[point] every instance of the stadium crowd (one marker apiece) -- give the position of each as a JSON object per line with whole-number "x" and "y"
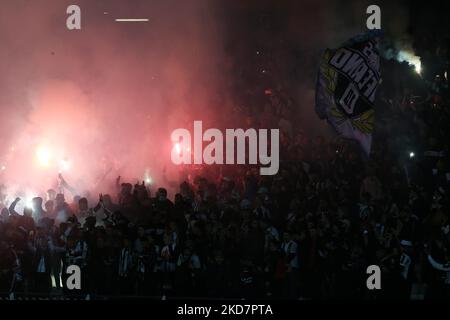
{"x": 308, "y": 232}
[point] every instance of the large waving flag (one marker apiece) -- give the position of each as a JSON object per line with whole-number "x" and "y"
{"x": 346, "y": 86}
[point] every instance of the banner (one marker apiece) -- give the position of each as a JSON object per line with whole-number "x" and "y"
{"x": 346, "y": 86}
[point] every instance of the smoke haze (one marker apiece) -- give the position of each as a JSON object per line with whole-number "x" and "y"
{"x": 104, "y": 99}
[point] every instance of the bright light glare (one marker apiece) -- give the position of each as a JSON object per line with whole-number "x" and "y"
{"x": 411, "y": 59}
{"x": 147, "y": 178}
{"x": 43, "y": 155}
{"x": 411, "y": 154}
{"x": 28, "y": 203}
{"x": 28, "y": 200}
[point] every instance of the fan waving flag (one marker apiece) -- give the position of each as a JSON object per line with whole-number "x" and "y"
{"x": 346, "y": 86}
